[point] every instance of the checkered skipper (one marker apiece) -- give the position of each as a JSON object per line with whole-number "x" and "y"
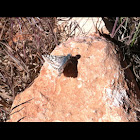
{"x": 57, "y": 62}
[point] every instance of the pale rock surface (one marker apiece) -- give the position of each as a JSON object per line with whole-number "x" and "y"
{"x": 93, "y": 88}
{"x": 83, "y": 25}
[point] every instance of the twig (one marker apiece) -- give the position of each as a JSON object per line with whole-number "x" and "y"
{"x": 2, "y": 30}
{"x": 118, "y": 28}
{"x": 134, "y": 70}
{"x": 17, "y": 111}
{"x": 114, "y": 27}
{"x": 21, "y": 119}
{"x": 54, "y": 35}
{"x": 22, "y": 103}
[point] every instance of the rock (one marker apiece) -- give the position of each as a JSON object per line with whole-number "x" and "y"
{"x": 93, "y": 88}
{"x": 83, "y": 25}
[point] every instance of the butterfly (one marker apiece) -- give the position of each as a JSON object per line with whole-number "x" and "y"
{"x": 57, "y": 62}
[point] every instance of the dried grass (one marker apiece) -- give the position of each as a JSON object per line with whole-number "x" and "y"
{"x": 23, "y": 40}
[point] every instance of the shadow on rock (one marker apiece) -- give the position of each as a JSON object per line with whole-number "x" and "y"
{"x": 71, "y": 69}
